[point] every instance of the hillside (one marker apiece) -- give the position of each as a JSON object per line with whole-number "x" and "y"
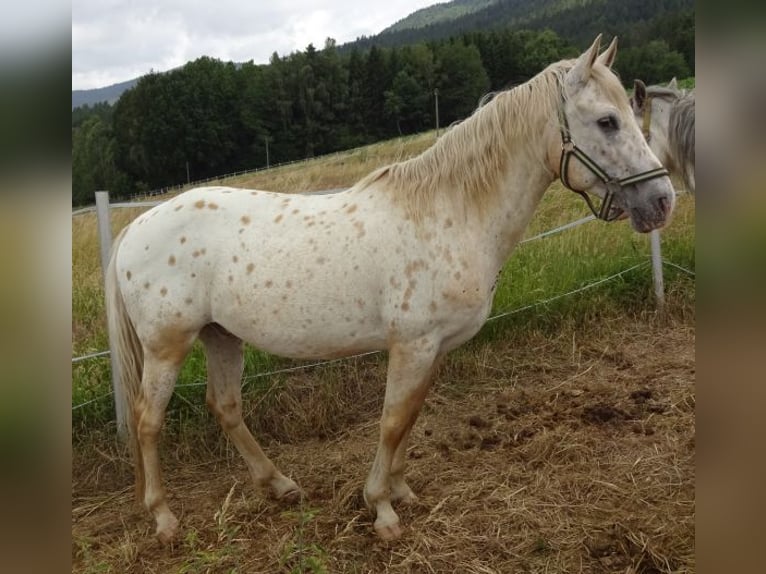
{"x": 576, "y": 21}
{"x": 468, "y": 15}
{"x": 108, "y": 94}
{"x": 442, "y": 12}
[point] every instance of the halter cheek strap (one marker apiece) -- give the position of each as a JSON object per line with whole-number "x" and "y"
{"x": 613, "y": 185}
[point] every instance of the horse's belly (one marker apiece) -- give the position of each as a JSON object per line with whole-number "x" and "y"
{"x": 308, "y": 322}
{"x": 318, "y": 335}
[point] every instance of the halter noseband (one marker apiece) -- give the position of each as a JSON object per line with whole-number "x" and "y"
{"x": 613, "y": 185}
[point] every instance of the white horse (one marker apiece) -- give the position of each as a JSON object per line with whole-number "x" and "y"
{"x": 405, "y": 260}
{"x": 666, "y": 115}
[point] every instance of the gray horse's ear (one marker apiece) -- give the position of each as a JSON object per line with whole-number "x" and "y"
{"x": 639, "y": 96}
{"x": 580, "y": 72}
{"x": 607, "y": 57}
{"x": 673, "y": 84}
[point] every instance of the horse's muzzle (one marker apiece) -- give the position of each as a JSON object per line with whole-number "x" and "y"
{"x": 652, "y": 214}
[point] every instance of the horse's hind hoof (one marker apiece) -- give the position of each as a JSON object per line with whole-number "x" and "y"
{"x": 286, "y": 490}
{"x": 292, "y": 496}
{"x": 167, "y": 530}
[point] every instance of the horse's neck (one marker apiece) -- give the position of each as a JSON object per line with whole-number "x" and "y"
{"x": 494, "y": 228}
{"x": 523, "y": 175}
{"x": 523, "y": 188}
{"x": 488, "y": 173}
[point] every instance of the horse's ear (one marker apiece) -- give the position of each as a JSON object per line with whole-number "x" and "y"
{"x": 673, "y": 84}
{"x": 580, "y": 72}
{"x": 639, "y": 96}
{"x": 607, "y": 57}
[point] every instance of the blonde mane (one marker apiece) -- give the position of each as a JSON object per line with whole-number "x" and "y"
{"x": 468, "y": 161}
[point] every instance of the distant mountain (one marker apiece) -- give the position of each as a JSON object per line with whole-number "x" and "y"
{"x": 108, "y": 94}
{"x": 442, "y": 12}
{"x": 576, "y": 21}
{"x": 458, "y": 16}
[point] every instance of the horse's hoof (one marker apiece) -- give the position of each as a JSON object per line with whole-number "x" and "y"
{"x": 285, "y": 489}
{"x": 388, "y": 531}
{"x": 167, "y": 529}
{"x": 292, "y": 496}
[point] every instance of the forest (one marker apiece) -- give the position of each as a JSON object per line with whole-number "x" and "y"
{"x": 212, "y": 117}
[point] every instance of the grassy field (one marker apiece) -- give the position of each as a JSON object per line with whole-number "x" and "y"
{"x": 600, "y": 370}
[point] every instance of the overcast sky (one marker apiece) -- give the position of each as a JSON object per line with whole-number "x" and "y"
{"x": 117, "y": 40}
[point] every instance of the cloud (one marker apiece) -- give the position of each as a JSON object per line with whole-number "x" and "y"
{"x": 117, "y": 40}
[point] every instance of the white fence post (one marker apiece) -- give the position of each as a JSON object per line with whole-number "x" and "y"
{"x": 105, "y": 242}
{"x": 659, "y": 283}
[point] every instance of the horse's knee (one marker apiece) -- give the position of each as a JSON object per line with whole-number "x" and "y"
{"x": 228, "y": 413}
{"x": 148, "y": 429}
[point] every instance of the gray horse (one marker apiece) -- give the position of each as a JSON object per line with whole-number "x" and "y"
{"x": 666, "y": 116}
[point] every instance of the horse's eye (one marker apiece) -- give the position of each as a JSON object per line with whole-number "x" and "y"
{"x": 608, "y": 123}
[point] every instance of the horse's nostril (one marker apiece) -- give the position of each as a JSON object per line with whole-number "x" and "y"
{"x": 664, "y": 204}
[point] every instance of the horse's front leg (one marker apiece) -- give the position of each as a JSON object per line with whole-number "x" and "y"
{"x": 409, "y": 375}
{"x": 400, "y": 490}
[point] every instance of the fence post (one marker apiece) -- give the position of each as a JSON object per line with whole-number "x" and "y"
{"x": 105, "y": 242}
{"x": 659, "y": 283}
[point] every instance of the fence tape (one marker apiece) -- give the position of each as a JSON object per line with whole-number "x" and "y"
{"x": 684, "y": 269}
{"x": 109, "y": 394}
{"x": 559, "y": 229}
{"x": 578, "y": 290}
{"x": 90, "y": 356}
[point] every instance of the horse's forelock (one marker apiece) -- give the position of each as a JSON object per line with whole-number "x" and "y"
{"x": 610, "y": 83}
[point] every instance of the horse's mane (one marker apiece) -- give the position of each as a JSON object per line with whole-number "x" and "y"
{"x": 681, "y": 135}
{"x": 470, "y": 158}
{"x": 680, "y": 127}
{"x": 468, "y": 161}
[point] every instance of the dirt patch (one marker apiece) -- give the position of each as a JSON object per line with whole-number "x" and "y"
{"x": 584, "y": 465}
{"x": 603, "y": 413}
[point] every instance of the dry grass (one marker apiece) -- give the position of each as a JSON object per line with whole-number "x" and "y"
{"x": 334, "y": 171}
{"x": 572, "y": 453}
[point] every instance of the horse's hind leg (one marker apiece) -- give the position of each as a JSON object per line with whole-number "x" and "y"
{"x": 157, "y": 382}
{"x": 409, "y": 375}
{"x": 225, "y": 361}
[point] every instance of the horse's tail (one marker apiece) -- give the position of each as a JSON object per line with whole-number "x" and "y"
{"x": 129, "y": 358}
